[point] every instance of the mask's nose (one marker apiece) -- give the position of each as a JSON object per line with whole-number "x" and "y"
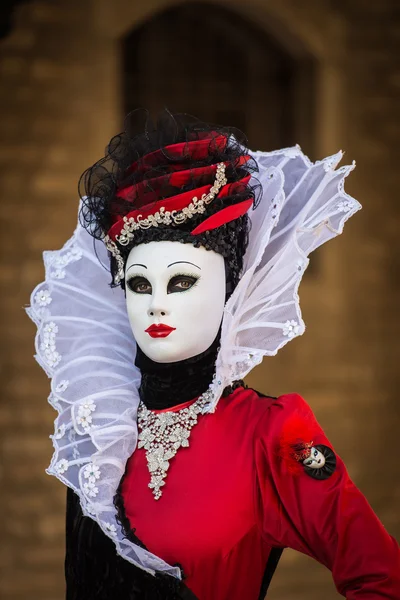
{"x": 157, "y": 307}
{"x": 156, "y": 313}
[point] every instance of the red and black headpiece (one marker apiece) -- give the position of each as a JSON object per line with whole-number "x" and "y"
{"x": 179, "y": 180}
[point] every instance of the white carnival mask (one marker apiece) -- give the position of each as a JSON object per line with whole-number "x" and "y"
{"x": 175, "y": 296}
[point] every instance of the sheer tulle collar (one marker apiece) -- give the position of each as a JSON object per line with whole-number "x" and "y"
{"x": 84, "y": 341}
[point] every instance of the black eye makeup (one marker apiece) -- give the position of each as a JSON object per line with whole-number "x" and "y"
{"x": 139, "y": 284}
{"x": 181, "y": 283}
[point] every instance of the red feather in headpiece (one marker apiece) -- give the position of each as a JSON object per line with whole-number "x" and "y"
{"x": 296, "y": 440}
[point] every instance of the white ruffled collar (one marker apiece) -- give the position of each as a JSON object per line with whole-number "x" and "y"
{"x": 85, "y": 345}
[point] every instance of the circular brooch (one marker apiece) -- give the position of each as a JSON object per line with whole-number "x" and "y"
{"x": 320, "y": 462}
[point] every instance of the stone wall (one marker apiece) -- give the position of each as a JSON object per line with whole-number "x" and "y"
{"x": 60, "y": 102}
{"x": 48, "y": 132}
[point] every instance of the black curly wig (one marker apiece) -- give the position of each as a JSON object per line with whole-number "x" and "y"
{"x": 141, "y": 162}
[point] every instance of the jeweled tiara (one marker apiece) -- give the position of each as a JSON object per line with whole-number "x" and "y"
{"x": 133, "y": 221}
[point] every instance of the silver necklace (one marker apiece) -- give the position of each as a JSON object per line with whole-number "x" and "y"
{"x": 162, "y": 434}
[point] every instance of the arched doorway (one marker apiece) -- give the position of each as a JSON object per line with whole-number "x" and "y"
{"x": 206, "y": 60}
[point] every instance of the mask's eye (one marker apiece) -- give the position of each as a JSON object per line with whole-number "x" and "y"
{"x": 181, "y": 283}
{"x": 139, "y": 285}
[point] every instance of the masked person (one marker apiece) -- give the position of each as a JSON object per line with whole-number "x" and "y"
{"x": 182, "y": 482}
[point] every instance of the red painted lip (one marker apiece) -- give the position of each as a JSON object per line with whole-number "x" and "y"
{"x": 159, "y": 330}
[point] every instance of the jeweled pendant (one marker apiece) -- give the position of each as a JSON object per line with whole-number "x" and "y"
{"x": 162, "y": 434}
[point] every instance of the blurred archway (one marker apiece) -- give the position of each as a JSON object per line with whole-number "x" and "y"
{"x": 222, "y": 69}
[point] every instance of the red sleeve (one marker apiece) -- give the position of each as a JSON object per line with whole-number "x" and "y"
{"x": 327, "y": 518}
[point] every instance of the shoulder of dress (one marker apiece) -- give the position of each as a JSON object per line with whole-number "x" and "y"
{"x": 247, "y": 405}
{"x": 249, "y": 396}
{"x": 285, "y": 402}
{"x": 293, "y": 434}
{"x": 292, "y": 402}
{"x": 284, "y": 411}
{"x": 263, "y": 410}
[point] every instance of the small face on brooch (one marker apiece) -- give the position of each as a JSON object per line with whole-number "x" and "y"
{"x": 316, "y": 459}
{"x": 319, "y": 461}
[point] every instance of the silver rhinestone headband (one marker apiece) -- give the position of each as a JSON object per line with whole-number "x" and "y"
{"x": 162, "y": 217}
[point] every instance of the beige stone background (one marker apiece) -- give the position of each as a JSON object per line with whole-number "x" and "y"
{"x": 319, "y": 72}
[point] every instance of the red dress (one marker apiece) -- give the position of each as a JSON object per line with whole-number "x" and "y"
{"x": 230, "y": 498}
